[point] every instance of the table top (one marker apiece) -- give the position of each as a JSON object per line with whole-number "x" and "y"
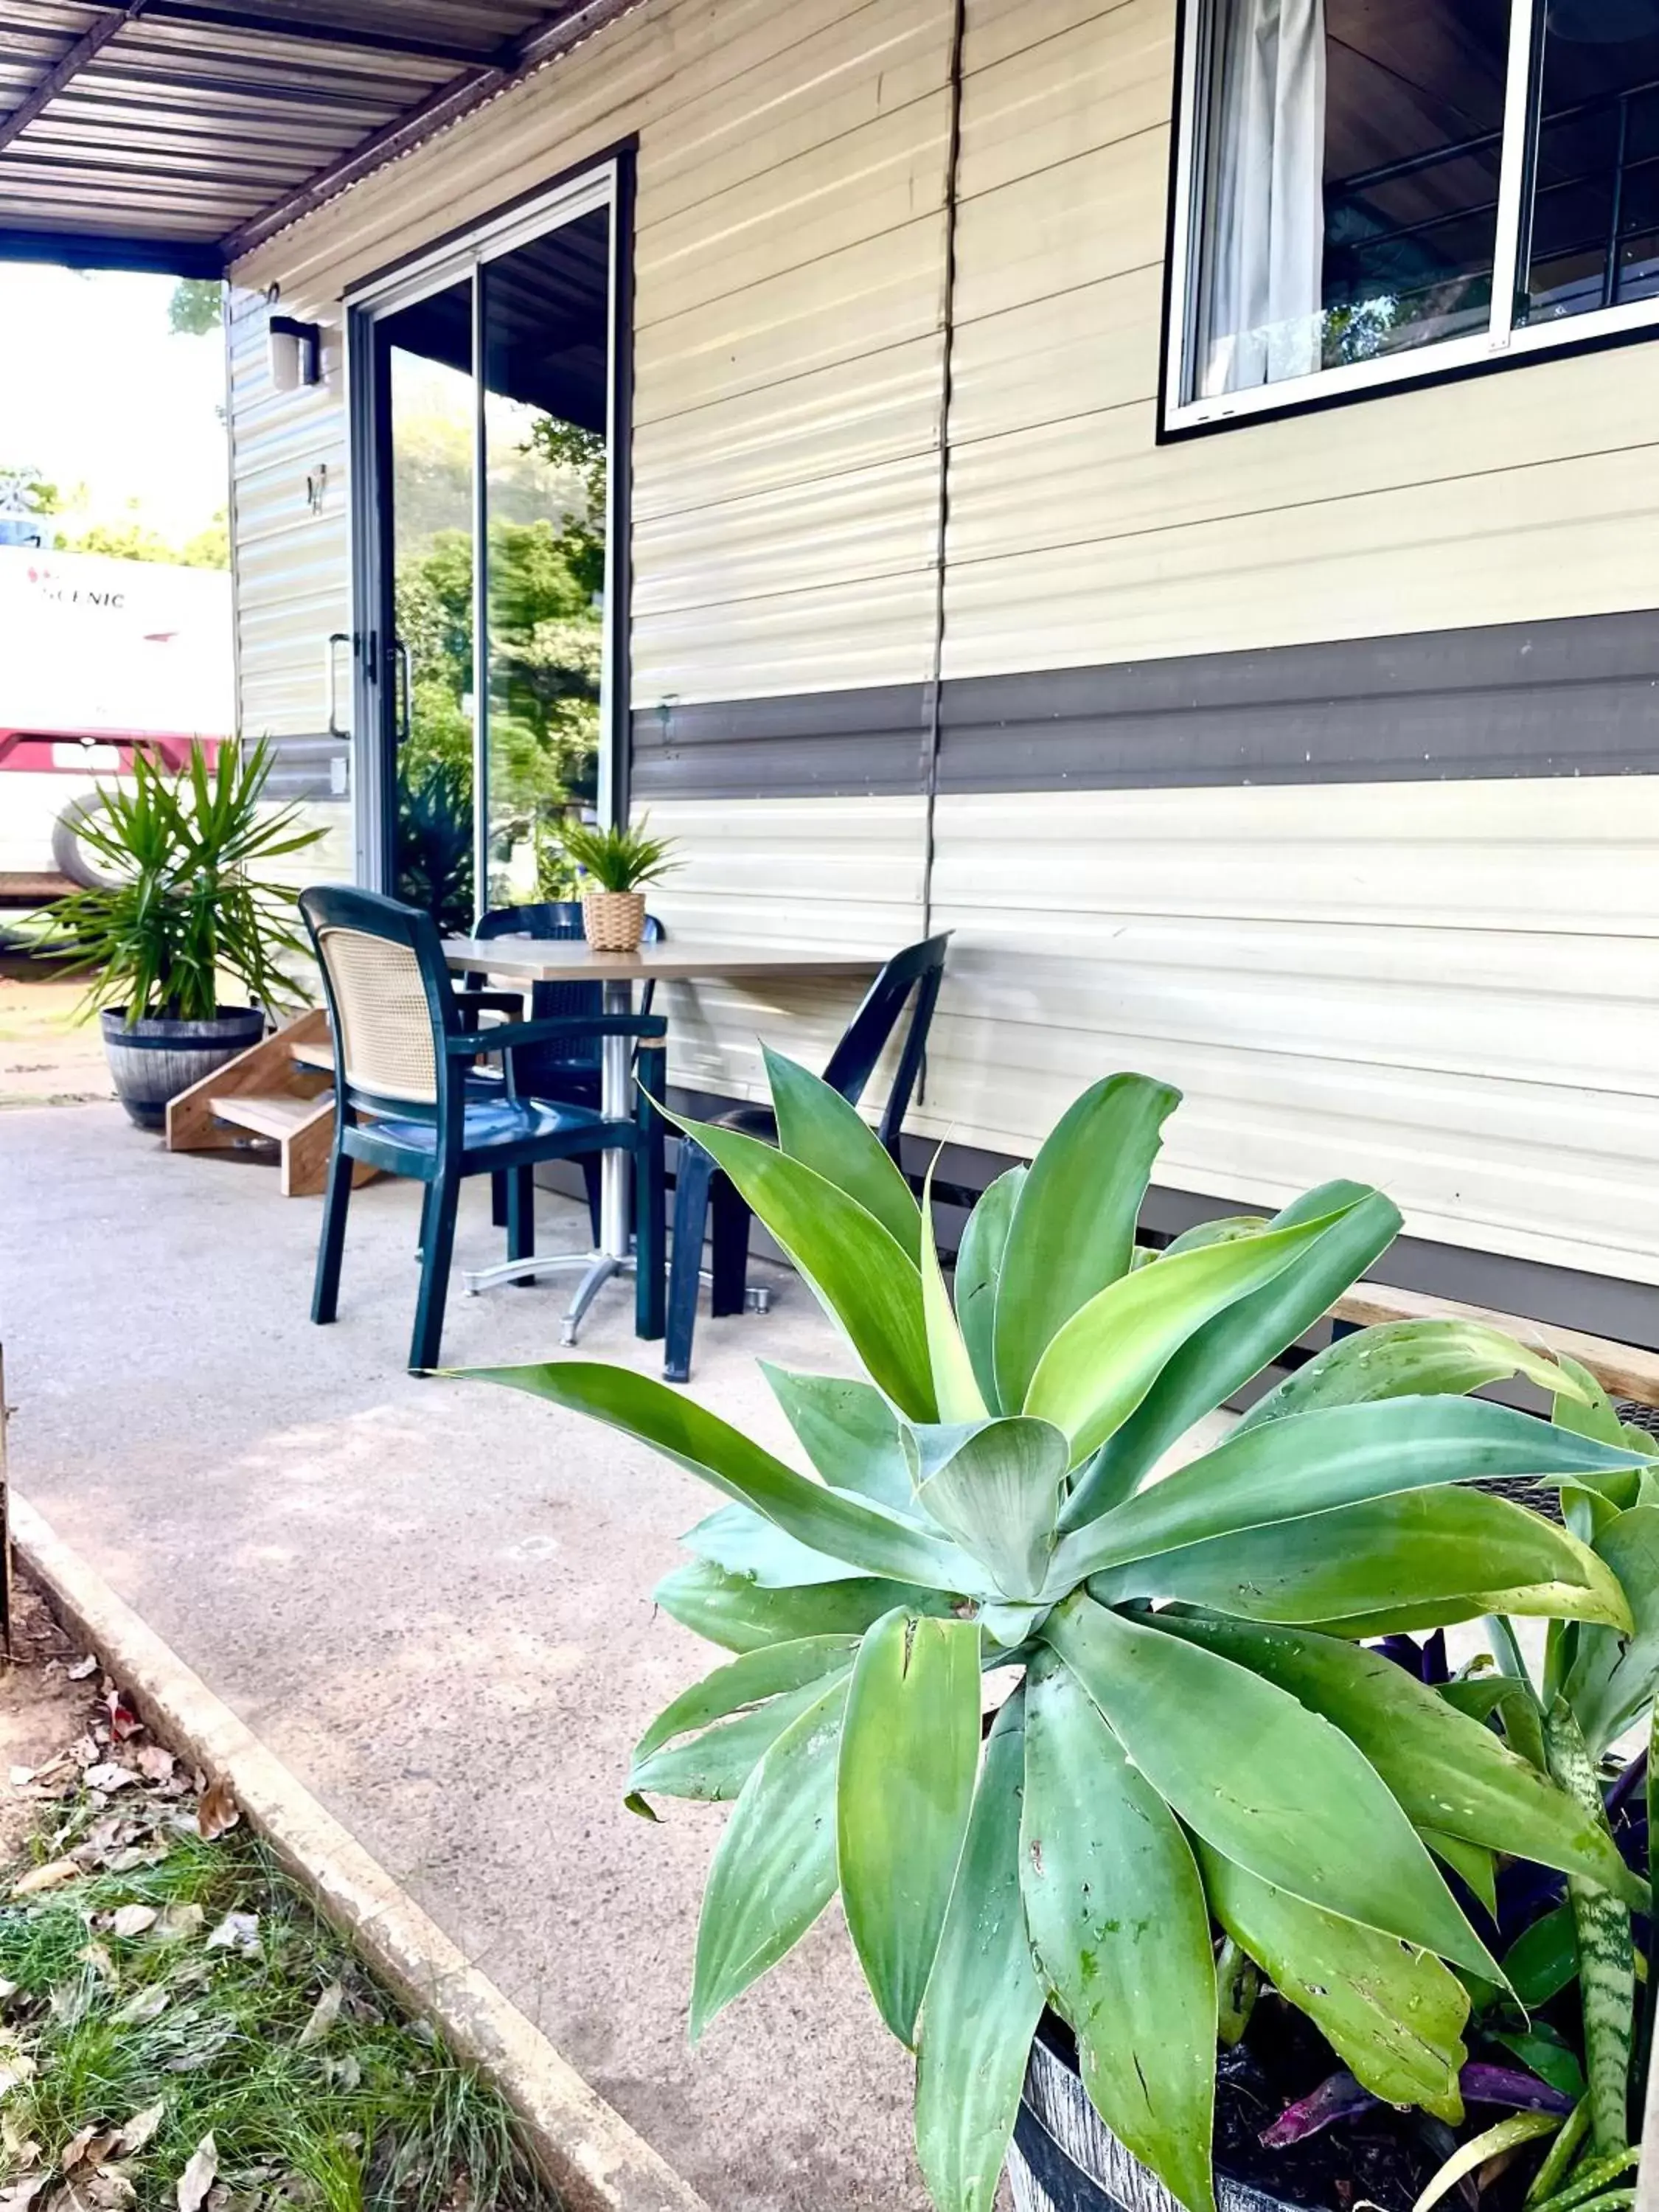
{"x": 572, "y": 960}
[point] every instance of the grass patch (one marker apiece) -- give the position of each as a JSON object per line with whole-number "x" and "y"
{"x": 196, "y": 1976}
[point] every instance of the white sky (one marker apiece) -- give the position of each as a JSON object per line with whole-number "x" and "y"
{"x": 96, "y": 389}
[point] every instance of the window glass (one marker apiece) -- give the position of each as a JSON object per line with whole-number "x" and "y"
{"x": 1595, "y": 238}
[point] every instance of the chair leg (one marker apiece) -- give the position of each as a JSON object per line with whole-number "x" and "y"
{"x": 521, "y": 1217}
{"x": 693, "y": 1178}
{"x": 428, "y": 1191}
{"x": 650, "y": 1224}
{"x": 731, "y": 1249}
{"x": 591, "y": 1177}
{"x": 499, "y": 1201}
{"x": 434, "y": 1277}
{"x": 325, "y": 1297}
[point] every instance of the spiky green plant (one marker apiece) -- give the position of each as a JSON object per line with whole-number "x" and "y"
{"x": 624, "y": 859}
{"x": 1198, "y": 1743}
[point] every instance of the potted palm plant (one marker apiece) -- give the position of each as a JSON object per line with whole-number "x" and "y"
{"x": 1151, "y": 1851}
{"x": 182, "y": 909}
{"x": 619, "y": 863}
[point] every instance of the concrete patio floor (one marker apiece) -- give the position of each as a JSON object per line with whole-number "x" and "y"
{"x": 432, "y": 1600}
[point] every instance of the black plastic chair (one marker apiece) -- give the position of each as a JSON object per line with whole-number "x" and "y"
{"x": 403, "y": 1046}
{"x": 568, "y": 1071}
{"x": 699, "y": 1184}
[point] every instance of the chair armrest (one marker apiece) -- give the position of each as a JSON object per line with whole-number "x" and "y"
{"x": 474, "y": 1003}
{"x": 508, "y": 1036}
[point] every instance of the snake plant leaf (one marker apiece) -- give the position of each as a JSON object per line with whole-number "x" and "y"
{"x": 1473, "y": 1864}
{"x": 713, "y": 1767}
{"x": 1118, "y": 1920}
{"x": 1273, "y": 1786}
{"x": 862, "y": 1276}
{"x": 1418, "y": 1547}
{"x": 1394, "y": 2016}
{"x": 984, "y": 1998}
{"x": 1107, "y": 1357}
{"x": 909, "y": 1751}
{"x": 773, "y": 1869}
{"x": 745, "y": 1542}
{"x": 1411, "y": 1359}
{"x": 827, "y": 1133}
{"x": 1613, "y": 1677}
{"x": 850, "y": 1528}
{"x": 956, "y": 1388}
{"x": 999, "y": 1495}
{"x": 1447, "y": 1770}
{"x": 1074, "y": 1224}
{"x": 740, "y": 1616}
{"x": 978, "y": 1274}
{"x": 1313, "y": 1462}
{"x": 848, "y": 1431}
{"x": 768, "y": 1672}
{"x": 1244, "y": 1337}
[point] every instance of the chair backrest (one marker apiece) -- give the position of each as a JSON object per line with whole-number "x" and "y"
{"x": 389, "y": 999}
{"x": 557, "y": 917}
{"x": 915, "y": 972}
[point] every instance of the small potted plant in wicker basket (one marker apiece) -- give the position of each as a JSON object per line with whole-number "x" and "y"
{"x": 617, "y": 864}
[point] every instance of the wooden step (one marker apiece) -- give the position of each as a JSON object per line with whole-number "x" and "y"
{"x": 281, "y": 1088}
{"x": 314, "y": 1052}
{"x": 277, "y": 1115}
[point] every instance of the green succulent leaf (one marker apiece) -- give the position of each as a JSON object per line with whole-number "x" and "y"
{"x": 955, "y": 1390}
{"x": 819, "y": 1128}
{"x": 1313, "y": 1462}
{"x": 738, "y": 1615}
{"x": 1104, "y": 1361}
{"x": 1418, "y": 1546}
{"x": 1394, "y": 2016}
{"x": 1117, "y": 1916}
{"x": 1473, "y": 1864}
{"x": 1612, "y": 1676}
{"x": 1223, "y": 1228}
{"x": 745, "y": 1542}
{"x": 998, "y": 1493}
{"x": 978, "y": 1274}
{"x": 848, "y": 1431}
{"x": 773, "y": 1869}
{"x": 1447, "y": 1770}
{"x": 909, "y": 1750}
{"x": 849, "y": 1529}
{"x": 1073, "y": 1225}
{"x": 1270, "y": 1785}
{"x": 713, "y": 1767}
{"x": 1543, "y": 1959}
{"x": 984, "y": 1997}
{"x": 1244, "y": 1337}
{"x": 1410, "y": 1360}
{"x": 768, "y": 1672}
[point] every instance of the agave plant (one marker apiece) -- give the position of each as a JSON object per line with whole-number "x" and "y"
{"x": 1197, "y": 1749}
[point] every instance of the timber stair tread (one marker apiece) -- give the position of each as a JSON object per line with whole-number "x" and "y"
{"x": 271, "y": 1114}
{"x": 312, "y": 1052}
{"x": 282, "y": 1088}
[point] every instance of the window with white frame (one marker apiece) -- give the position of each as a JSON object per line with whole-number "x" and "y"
{"x": 1369, "y": 190}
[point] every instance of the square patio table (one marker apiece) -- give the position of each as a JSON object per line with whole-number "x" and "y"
{"x": 571, "y": 960}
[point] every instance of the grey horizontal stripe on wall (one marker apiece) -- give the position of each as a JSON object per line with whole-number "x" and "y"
{"x": 1577, "y": 697}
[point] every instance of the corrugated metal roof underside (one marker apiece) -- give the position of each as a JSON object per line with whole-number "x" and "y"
{"x": 189, "y": 124}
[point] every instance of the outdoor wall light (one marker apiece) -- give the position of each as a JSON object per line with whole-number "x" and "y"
{"x": 296, "y": 352}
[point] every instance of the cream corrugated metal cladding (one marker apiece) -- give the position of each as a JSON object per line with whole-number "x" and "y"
{"x": 1448, "y": 986}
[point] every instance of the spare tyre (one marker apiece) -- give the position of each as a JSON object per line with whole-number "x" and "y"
{"x": 77, "y": 861}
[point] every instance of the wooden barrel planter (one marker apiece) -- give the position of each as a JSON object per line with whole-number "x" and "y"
{"x": 158, "y": 1057}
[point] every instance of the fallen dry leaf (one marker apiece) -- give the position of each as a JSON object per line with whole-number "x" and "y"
{"x": 106, "y": 2189}
{"x": 17, "y": 2067}
{"x": 123, "y": 1721}
{"x": 216, "y": 1813}
{"x": 136, "y": 2132}
{"x": 109, "y": 1778}
{"x": 90, "y": 2147}
{"x": 46, "y": 1877}
{"x": 19, "y": 2194}
{"x": 199, "y": 2174}
{"x": 132, "y": 1919}
{"x": 237, "y": 1931}
{"x": 97, "y": 1958}
{"x": 83, "y": 1669}
{"x": 154, "y": 1762}
{"x": 175, "y": 1921}
{"x": 323, "y": 2013}
{"x": 143, "y": 2006}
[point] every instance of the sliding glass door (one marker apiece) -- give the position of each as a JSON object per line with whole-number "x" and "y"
{"x": 486, "y": 632}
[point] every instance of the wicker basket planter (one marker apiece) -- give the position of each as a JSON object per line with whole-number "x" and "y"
{"x": 614, "y": 921}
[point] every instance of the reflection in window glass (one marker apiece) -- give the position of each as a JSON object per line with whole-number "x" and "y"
{"x": 1595, "y": 206}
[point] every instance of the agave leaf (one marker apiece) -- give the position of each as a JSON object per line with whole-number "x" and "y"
{"x": 1411, "y": 1359}
{"x": 1313, "y": 1462}
{"x": 984, "y": 1997}
{"x": 1416, "y": 1547}
{"x": 1073, "y": 1225}
{"x": 909, "y": 1749}
{"x": 738, "y": 1615}
{"x": 849, "y": 1529}
{"x": 1270, "y": 1785}
{"x": 713, "y": 1767}
{"x": 1102, "y": 1364}
{"x": 1447, "y": 1770}
{"x": 1243, "y": 1337}
{"x": 978, "y": 1273}
{"x": 1473, "y": 1864}
{"x": 773, "y": 1869}
{"x": 956, "y": 1391}
{"x": 827, "y": 1133}
{"x": 848, "y": 1431}
{"x": 999, "y": 1495}
{"x": 1612, "y": 1676}
{"x": 745, "y": 1542}
{"x": 1118, "y": 1920}
{"x": 1223, "y": 1229}
{"x": 765, "y": 1673}
{"x": 1582, "y": 1404}
{"x": 1394, "y": 2016}
{"x": 860, "y": 1275}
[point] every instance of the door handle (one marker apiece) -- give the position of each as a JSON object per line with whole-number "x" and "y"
{"x": 330, "y": 677}
{"x": 406, "y": 703}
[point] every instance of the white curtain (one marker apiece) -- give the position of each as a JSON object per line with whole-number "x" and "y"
{"x": 1264, "y": 232}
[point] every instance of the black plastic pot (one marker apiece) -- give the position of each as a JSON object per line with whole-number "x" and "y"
{"x": 158, "y": 1057}
{"x": 1065, "y": 2159}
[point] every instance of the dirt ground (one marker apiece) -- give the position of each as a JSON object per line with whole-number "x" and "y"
{"x": 46, "y": 1057}
{"x": 43, "y": 1709}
